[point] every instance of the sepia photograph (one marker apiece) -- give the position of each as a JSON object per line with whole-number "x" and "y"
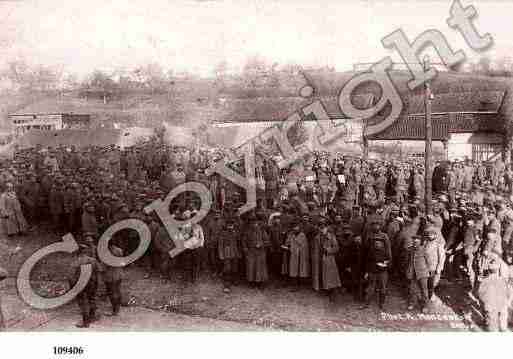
{"x": 255, "y": 166}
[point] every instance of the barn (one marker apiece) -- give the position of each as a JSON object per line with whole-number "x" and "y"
{"x": 471, "y": 115}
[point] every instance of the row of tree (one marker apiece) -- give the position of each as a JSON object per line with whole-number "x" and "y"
{"x": 255, "y": 78}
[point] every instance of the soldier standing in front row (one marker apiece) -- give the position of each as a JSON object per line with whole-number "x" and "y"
{"x": 229, "y": 250}
{"x": 378, "y": 255}
{"x": 112, "y": 277}
{"x": 87, "y": 297}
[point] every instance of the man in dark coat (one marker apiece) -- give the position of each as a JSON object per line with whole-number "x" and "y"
{"x": 439, "y": 178}
{"x": 277, "y": 234}
{"x": 87, "y": 297}
{"x": 213, "y": 228}
{"x": 378, "y": 256}
{"x": 255, "y": 244}
{"x": 229, "y": 250}
{"x": 112, "y": 277}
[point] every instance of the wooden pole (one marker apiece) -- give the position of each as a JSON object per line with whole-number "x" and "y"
{"x": 428, "y": 96}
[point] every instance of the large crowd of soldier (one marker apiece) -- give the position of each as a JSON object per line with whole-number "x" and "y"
{"x": 330, "y": 221}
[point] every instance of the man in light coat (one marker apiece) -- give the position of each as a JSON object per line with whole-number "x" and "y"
{"x": 492, "y": 290}
{"x": 10, "y": 210}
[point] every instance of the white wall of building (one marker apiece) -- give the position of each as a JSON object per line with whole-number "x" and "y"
{"x": 24, "y": 123}
{"x": 460, "y": 144}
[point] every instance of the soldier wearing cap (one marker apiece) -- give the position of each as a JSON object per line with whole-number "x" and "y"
{"x": 325, "y": 273}
{"x": 87, "y": 297}
{"x": 229, "y": 248}
{"x": 12, "y": 216}
{"x": 255, "y": 241}
{"x": 296, "y": 257}
{"x": 112, "y": 277}
{"x": 377, "y": 256}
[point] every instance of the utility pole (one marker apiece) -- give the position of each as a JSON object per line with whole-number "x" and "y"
{"x": 428, "y": 97}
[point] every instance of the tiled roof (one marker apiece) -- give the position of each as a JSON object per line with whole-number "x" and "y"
{"x": 278, "y": 109}
{"x": 459, "y": 102}
{"x": 412, "y": 127}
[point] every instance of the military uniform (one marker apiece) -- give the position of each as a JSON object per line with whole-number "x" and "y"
{"x": 87, "y": 297}
{"x": 229, "y": 251}
{"x": 378, "y": 256}
{"x": 112, "y": 277}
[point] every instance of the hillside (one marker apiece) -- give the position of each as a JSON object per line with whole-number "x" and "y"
{"x": 196, "y": 102}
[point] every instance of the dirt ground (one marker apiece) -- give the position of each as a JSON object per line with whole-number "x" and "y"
{"x": 153, "y": 303}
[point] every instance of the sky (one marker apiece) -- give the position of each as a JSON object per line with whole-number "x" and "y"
{"x": 80, "y": 36}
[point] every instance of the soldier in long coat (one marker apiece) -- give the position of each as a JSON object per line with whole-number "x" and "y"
{"x": 298, "y": 263}
{"x": 87, "y": 297}
{"x": 277, "y": 233}
{"x": 255, "y": 244}
{"x": 112, "y": 276}
{"x": 325, "y": 274}
{"x": 10, "y": 209}
{"x": 229, "y": 248}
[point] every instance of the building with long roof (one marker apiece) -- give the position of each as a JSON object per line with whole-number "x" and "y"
{"x": 48, "y": 115}
{"x": 471, "y": 115}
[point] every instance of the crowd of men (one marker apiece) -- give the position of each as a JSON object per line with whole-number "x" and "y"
{"x": 330, "y": 221}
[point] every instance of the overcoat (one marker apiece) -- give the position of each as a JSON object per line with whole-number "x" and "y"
{"x": 299, "y": 256}
{"x": 254, "y": 245}
{"x": 13, "y": 220}
{"x": 325, "y": 274}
